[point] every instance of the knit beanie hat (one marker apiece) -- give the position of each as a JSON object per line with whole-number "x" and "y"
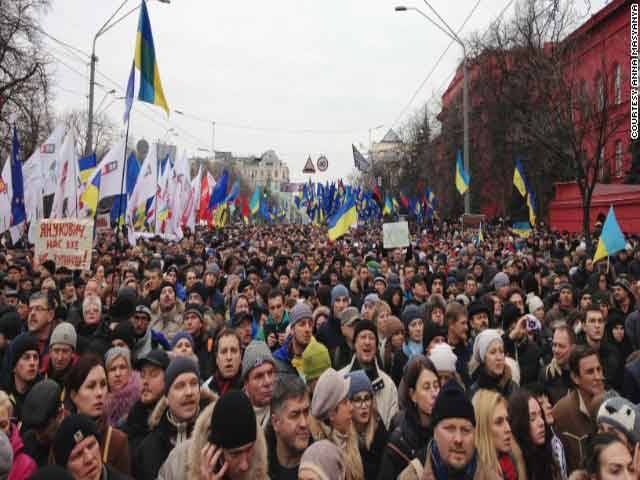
{"x": 431, "y": 331}
{"x": 534, "y": 303}
{"x": 64, "y": 334}
{"x": 256, "y": 353}
{"x": 482, "y": 343}
{"x": 177, "y": 367}
{"x": 359, "y": 383}
{"x": 363, "y": 325}
{"x": 477, "y": 307}
{"x": 443, "y": 358}
{"x": 179, "y": 336}
{"x": 349, "y": 316}
{"x": 622, "y": 415}
{"x": 510, "y": 315}
{"x": 10, "y": 323}
{"x": 115, "y": 352}
{"x": 452, "y": 402}
{"x": 300, "y": 311}
{"x": 338, "y": 291}
{"x": 371, "y": 299}
{"x": 315, "y": 360}
{"x": 73, "y": 430}
{"x": 200, "y": 289}
{"x": 20, "y": 345}
{"x": 500, "y": 280}
{"x": 124, "y": 331}
{"x": 167, "y": 284}
{"x": 233, "y": 421}
{"x": 324, "y": 459}
{"x": 411, "y": 312}
{"x": 194, "y": 308}
{"x": 331, "y": 389}
{"x": 6, "y": 455}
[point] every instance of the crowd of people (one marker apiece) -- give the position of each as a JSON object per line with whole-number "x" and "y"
{"x": 269, "y": 352}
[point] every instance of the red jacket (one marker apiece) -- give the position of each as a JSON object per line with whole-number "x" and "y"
{"x": 23, "y": 465}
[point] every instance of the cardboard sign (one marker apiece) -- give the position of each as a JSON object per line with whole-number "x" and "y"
{"x": 103, "y": 223}
{"x": 395, "y": 235}
{"x": 67, "y": 242}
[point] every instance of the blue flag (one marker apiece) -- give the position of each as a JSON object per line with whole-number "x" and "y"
{"x": 18, "y": 212}
{"x": 219, "y": 192}
{"x": 120, "y": 204}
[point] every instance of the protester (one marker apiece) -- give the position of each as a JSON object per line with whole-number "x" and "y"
{"x": 488, "y": 365}
{"x": 555, "y": 376}
{"x": 228, "y": 356}
{"x": 124, "y": 385}
{"x": 413, "y": 344}
{"x": 86, "y": 386}
{"x": 24, "y": 370}
{"x": 372, "y": 434}
{"x": 321, "y": 461}
{"x": 22, "y": 465}
{"x": 62, "y": 353}
{"x": 414, "y": 427}
{"x": 288, "y": 434}
{"x": 315, "y": 360}
{"x": 259, "y": 375}
{"x": 606, "y": 453}
{"x": 331, "y": 419}
{"x": 288, "y": 358}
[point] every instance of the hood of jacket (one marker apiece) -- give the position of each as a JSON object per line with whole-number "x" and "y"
{"x": 258, "y": 468}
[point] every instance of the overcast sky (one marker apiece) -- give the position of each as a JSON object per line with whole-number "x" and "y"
{"x": 302, "y": 77}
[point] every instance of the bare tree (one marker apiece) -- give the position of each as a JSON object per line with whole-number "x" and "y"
{"x": 24, "y": 79}
{"x": 105, "y": 130}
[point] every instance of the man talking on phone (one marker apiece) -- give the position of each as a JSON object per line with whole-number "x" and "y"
{"x": 226, "y": 444}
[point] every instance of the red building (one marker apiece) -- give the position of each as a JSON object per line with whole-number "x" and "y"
{"x": 601, "y": 44}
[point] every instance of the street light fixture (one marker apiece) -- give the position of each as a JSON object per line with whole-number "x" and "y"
{"x": 465, "y": 84}
{"x": 108, "y": 25}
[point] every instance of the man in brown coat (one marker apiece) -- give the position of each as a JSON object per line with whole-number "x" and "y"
{"x": 574, "y": 422}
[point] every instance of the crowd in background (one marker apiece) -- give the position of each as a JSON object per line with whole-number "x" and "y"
{"x": 269, "y": 352}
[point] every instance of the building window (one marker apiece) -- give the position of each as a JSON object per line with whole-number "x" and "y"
{"x": 602, "y": 166}
{"x": 617, "y": 79}
{"x": 618, "y": 164}
{"x": 600, "y": 91}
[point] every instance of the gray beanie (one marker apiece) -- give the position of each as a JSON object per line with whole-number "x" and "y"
{"x": 622, "y": 415}
{"x": 6, "y": 455}
{"x": 115, "y": 352}
{"x": 64, "y": 334}
{"x": 331, "y": 389}
{"x": 338, "y": 291}
{"x": 500, "y": 280}
{"x": 482, "y": 343}
{"x": 299, "y": 312}
{"x": 324, "y": 459}
{"x": 256, "y": 353}
{"x": 177, "y": 367}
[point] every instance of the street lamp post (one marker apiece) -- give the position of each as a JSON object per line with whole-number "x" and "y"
{"x": 108, "y": 25}
{"x": 465, "y": 87}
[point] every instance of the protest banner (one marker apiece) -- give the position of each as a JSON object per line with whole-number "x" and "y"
{"x": 395, "y": 235}
{"x": 103, "y": 223}
{"x": 68, "y": 242}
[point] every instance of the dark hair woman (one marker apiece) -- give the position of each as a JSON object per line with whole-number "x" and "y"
{"x": 533, "y": 435}
{"x": 86, "y": 391}
{"x": 606, "y": 452}
{"x": 418, "y": 391}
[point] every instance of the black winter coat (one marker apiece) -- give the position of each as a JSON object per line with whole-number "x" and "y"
{"x": 504, "y": 385}
{"x": 372, "y": 457}
{"x": 137, "y": 425}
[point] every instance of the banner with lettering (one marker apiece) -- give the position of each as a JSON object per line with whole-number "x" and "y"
{"x": 68, "y": 242}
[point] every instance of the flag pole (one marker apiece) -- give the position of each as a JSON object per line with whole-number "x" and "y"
{"x": 124, "y": 170}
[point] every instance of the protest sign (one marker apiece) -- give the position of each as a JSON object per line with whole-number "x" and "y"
{"x": 395, "y": 235}
{"x": 103, "y": 223}
{"x": 67, "y": 242}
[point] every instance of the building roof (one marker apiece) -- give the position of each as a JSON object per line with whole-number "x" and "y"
{"x": 391, "y": 137}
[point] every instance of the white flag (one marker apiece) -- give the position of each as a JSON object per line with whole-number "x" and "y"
{"x": 67, "y": 180}
{"x": 48, "y": 157}
{"x": 6, "y": 194}
{"x": 111, "y": 167}
{"x": 147, "y": 183}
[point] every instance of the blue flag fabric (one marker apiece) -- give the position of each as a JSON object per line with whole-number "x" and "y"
{"x": 18, "y": 211}
{"x": 219, "y": 192}
{"x": 131, "y": 176}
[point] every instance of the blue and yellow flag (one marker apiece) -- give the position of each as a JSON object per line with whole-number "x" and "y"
{"x": 388, "y": 206}
{"x": 87, "y": 165}
{"x": 611, "y": 239}
{"x": 91, "y": 195}
{"x": 525, "y": 190}
{"x": 254, "y": 203}
{"x": 344, "y": 218}
{"x": 146, "y": 62}
{"x": 462, "y": 177}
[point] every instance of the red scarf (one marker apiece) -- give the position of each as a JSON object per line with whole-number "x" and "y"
{"x": 508, "y": 467}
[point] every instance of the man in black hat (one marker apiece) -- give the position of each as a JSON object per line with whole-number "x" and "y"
{"x": 167, "y": 311}
{"x": 77, "y": 448}
{"x": 623, "y": 298}
{"x": 152, "y": 367}
{"x": 24, "y": 370}
{"x": 146, "y": 339}
{"x": 478, "y": 318}
{"x": 227, "y": 443}
{"x": 195, "y": 325}
{"x": 42, "y": 414}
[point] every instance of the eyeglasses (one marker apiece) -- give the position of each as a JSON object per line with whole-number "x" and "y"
{"x": 362, "y": 401}
{"x": 38, "y": 308}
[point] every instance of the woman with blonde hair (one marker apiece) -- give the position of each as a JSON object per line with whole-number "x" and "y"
{"x": 489, "y": 367}
{"x": 498, "y": 452}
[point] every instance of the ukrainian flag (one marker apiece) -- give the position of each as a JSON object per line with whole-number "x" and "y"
{"x": 462, "y": 177}
{"x": 519, "y": 179}
{"x": 254, "y": 203}
{"x": 611, "y": 239}
{"x": 344, "y": 218}
{"x": 145, "y": 61}
{"x": 388, "y": 206}
{"x": 86, "y": 167}
{"x": 91, "y": 195}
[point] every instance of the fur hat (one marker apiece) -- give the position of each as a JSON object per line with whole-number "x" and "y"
{"x": 622, "y": 415}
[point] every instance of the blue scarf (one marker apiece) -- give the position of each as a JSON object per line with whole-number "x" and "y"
{"x": 441, "y": 471}
{"x": 411, "y": 348}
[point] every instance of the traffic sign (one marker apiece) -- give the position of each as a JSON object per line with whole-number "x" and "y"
{"x": 322, "y": 163}
{"x": 308, "y": 167}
